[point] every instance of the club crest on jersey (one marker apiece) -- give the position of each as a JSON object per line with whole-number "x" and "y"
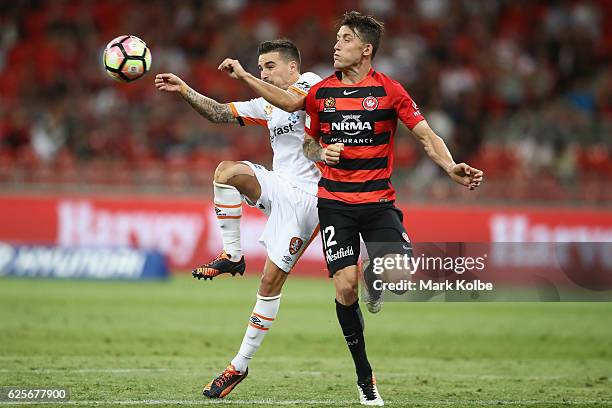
{"x": 329, "y": 105}
{"x": 351, "y": 125}
{"x": 295, "y": 245}
{"x": 268, "y": 109}
{"x": 370, "y": 103}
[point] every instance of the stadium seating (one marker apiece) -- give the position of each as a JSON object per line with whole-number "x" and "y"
{"x": 538, "y": 124}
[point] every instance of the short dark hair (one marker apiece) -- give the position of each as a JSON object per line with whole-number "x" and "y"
{"x": 284, "y": 47}
{"x": 367, "y": 28}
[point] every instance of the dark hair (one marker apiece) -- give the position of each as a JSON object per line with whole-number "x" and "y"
{"x": 367, "y": 28}
{"x": 284, "y": 47}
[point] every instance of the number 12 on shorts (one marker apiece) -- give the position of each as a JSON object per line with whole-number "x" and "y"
{"x": 328, "y": 237}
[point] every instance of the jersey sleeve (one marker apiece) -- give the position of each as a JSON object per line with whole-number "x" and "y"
{"x": 304, "y": 83}
{"x": 407, "y": 109}
{"x": 311, "y": 121}
{"x": 250, "y": 112}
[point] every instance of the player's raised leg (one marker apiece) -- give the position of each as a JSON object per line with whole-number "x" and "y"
{"x": 230, "y": 181}
{"x": 351, "y": 321}
{"x": 262, "y": 317}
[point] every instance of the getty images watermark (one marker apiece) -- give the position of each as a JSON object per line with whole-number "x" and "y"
{"x": 501, "y": 271}
{"x": 393, "y": 272}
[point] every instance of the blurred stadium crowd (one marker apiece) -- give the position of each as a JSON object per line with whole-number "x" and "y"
{"x": 519, "y": 88}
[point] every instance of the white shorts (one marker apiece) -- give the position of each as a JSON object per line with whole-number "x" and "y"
{"x": 293, "y": 220}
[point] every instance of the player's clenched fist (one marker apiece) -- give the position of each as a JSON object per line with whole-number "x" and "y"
{"x": 170, "y": 83}
{"x": 331, "y": 154}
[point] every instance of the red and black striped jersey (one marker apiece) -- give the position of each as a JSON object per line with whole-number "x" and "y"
{"x": 363, "y": 116}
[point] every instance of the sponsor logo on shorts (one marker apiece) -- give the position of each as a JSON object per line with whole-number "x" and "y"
{"x": 295, "y": 245}
{"x": 287, "y": 259}
{"x": 405, "y": 236}
{"x": 339, "y": 254}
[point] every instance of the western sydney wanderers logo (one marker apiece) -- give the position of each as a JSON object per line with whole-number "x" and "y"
{"x": 351, "y": 125}
{"x": 329, "y": 104}
{"x": 295, "y": 245}
{"x": 370, "y": 103}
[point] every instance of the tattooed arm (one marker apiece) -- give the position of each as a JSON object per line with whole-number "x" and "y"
{"x": 330, "y": 155}
{"x": 312, "y": 149}
{"x": 209, "y": 108}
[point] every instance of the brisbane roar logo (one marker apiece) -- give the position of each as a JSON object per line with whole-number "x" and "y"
{"x": 370, "y": 103}
{"x": 295, "y": 245}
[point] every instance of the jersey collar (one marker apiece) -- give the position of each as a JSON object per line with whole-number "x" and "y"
{"x": 338, "y": 74}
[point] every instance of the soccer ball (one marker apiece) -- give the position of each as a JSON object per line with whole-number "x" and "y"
{"x": 127, "y": 58}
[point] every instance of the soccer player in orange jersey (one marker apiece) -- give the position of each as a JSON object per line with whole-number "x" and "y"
{"x": 287, "y": 194}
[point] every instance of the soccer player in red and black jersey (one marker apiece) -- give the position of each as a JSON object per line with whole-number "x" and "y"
{"x": 351, "y": 118}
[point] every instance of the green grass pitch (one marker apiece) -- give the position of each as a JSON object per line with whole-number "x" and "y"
{"x": 157, "y": 343}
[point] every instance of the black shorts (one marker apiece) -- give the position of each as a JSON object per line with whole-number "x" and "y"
{"x": 380, "y": 227}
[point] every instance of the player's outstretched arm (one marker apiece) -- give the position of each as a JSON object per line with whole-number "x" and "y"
{"x": 437, "y": 150}
{"x": 285, "y": 100}
{"x": 209, "y": 108}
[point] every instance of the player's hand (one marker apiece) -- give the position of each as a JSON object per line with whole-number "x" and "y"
{"x": 233, "y": 68}
{"x": 170, "y": 83}
{"x": 331, "y": 154}
{"x": 466, "y": 175}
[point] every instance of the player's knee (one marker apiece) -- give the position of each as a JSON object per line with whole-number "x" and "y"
{"x": 267, "y": 289}
{"x": 223, "y": 172}
{"x": 346, "y": 292}
{"x": 270, "y": 285}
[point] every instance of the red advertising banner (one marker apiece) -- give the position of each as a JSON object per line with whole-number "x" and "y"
{"x": 184, "y": 229}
